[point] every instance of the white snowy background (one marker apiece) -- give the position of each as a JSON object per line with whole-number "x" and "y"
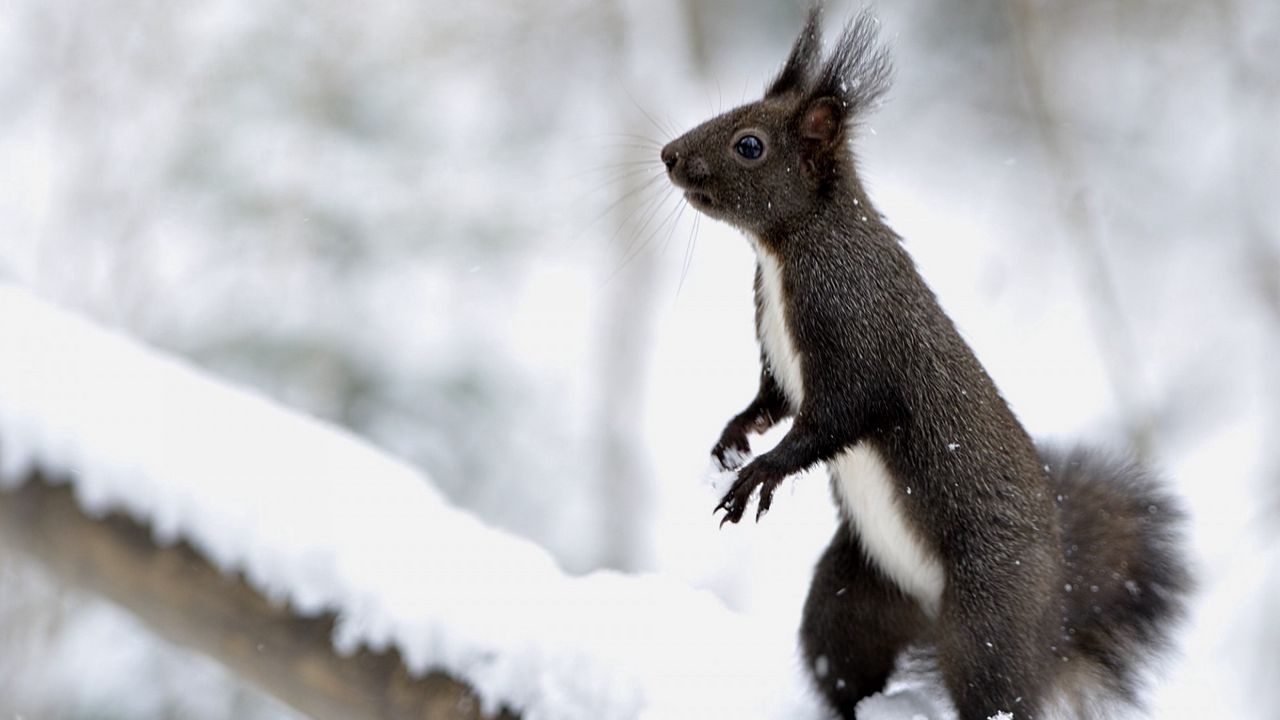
{"x": 430, "y": 223}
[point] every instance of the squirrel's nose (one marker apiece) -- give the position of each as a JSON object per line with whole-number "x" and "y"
{"x": 670, "y": 156}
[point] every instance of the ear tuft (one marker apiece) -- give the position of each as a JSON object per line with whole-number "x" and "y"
{"x": 801, "y": 64}
{"x": 858, "y": 71}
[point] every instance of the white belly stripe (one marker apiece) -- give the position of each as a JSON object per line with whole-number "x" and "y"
{"x": 869, "y": 495}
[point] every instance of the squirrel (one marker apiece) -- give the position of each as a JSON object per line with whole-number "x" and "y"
{"x": 1040, "y": 579}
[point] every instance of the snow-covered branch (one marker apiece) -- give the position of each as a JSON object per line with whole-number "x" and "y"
{"x": 317, "y": 519}
{"x": 182, "y": 597}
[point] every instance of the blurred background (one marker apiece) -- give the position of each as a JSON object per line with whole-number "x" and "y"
{"x": 444, "y": 226}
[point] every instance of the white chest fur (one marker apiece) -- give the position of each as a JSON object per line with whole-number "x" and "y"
{"x": 869, "y": 495}
{"x": 775, "y": 336}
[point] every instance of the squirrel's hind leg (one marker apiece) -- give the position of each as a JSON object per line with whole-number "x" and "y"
{"x": 997, "y": 643}
{"x": 856, "y": 623}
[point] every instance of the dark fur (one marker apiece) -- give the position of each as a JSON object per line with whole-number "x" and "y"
{"x": 1124, "y": 581}
{"x": 884, "y": 365}
{"x": 1123, "y": 560}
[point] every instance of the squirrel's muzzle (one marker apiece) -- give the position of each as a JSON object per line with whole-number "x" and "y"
{"x": 684, "y": 169}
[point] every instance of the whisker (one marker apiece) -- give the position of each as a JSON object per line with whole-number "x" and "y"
{"x": 630, "y": 136}
{"x": 675, "y": 127}
{"x": 616, "y": 185}
{"x": 613, "y": 174}
{"x": 653, "y": 183}
{"x": 688, "y": 255}
{"x": 653, "y": 215}
{"x": 642, "y": 188}
{"x": 644, "y": 171}
{"x": 622, "y": 264}
{"x": 630, "y": 167}
{"x": 649, "y": 213}
{"x": 640, "y": 248}
{"x": 673, "y": 219}
{"x": 644, "y": 112}
{"x": 671, "y": 233}
{"x": 630, "y": 145}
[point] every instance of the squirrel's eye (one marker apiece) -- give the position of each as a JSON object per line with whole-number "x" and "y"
{"x": 749, "y": 147}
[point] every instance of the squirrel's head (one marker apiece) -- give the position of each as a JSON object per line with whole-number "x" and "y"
{"x": 777, "y": 160}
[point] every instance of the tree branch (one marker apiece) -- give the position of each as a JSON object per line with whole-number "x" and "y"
{"x": 184, "y": 598}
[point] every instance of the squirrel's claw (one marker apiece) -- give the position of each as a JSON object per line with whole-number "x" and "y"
{"x": 763, "y": 505}
{"x": 766, "y": 496}
{"x": 735, "y": 501}
{"x": 733, "y": 508}
{"x": 724, "y": 503}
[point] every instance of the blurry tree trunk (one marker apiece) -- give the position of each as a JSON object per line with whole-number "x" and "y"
{"x": 633, "y": 262}
{"x": 1255, "y": 91}
{"x": 626, "y": 487}
{"x": 1031, "y": 33}
{"x": 179, "y": 595}
{"x": 695, "y": 17}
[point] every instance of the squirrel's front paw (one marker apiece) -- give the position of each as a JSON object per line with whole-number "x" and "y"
{"x": 733, "y": 451}
{"x": 755, "y": 475}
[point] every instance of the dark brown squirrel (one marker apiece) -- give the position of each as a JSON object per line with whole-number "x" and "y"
{"x": 1040, "y": 579}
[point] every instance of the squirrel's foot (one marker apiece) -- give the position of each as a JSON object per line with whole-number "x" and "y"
{"x": 755, "y": 475}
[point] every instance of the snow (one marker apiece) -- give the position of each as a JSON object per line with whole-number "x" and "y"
{"x": 313, "y": 516}
{"x": 915, "y": 691}
{"x": 718, "y": 479}
{"x": 100, "y": 642}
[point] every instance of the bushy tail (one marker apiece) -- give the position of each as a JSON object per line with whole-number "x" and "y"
{"x": 1126, "y": 577}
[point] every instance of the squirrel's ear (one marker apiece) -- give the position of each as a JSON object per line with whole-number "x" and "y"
{"x": 804, "y": 57}
{"x": 822, "y": 131}
{"x": 822, "y": 124}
